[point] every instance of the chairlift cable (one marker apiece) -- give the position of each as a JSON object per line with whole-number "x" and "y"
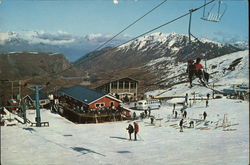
{"x": 118, "y": 33}
{"x": 175, "y": 19}
{"x": 190, "y": 11}
{"x": 130, "y": 25}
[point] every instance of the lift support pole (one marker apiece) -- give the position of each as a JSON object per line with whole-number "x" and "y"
{"x": 37, "y": 88}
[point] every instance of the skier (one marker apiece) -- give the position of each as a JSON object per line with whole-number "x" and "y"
{"x": 175, "y": 114}
{"x": 185, "y": 114}
{"x": 186, "y": 99}
{"x": 190, "y": 71}
{"x": 191, "y": 124}
{"x": 130, "y": 130}
{"x": 204, "y": 115}
{"x": 181, "y": 125}
{"x": 200, "y": 72}
{"x": 134, "y": 115}
{"x": 152, "y": 120}
{"x": 173, "y": 108}
{"x": 208, "y": 95}
{"x": 206, "y": 103}
{"x": 136, "y": 126}
{"x": 146, "y": 113}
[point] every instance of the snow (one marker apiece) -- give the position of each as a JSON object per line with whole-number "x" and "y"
{"x": 64, "y": 142}
{"x": 218, "y": 68}
{"x": 204, "y": 40}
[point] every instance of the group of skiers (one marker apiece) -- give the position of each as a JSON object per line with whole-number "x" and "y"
{"x": 183, "y": 112}
{"x": 134, "y": 130}
{"x": 197, "y": 70}
{"x": 191, "y": 123}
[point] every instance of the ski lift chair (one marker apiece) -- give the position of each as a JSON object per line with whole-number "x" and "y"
{"x": 212, "y": 15}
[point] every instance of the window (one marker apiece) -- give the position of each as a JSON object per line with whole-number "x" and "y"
{"x": 114, "y": 85}
{"x": 42, "y": 102}
{"x": 133, "y": 85}
{"x": 120, "y": 84}
{"x": 126, "y": 84}
{"x": 99, "y": 105}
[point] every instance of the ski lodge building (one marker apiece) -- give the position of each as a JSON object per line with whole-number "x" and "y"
{"x": 83, "y": 105}
{"x": 121, "y": 87}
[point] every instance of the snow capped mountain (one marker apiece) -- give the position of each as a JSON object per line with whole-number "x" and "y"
{"x": 241, "y": 44}
{"x": 170, "y": 41}
{"x": 71, "y": 46}
{"x": 151, "y": 47}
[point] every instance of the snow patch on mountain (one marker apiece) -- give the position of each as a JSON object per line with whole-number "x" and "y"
{"x": 225, "y": 70}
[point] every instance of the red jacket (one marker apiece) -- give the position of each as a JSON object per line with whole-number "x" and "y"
{"x": 198, "y": 66}
{"x": 136, "y": 127}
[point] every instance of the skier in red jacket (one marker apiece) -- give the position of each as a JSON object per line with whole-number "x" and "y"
{"x": 200, "y": 73}
{"x": 136, "y": 129}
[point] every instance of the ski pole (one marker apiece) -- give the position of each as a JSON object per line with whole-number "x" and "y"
{"x": 140, "y": 137}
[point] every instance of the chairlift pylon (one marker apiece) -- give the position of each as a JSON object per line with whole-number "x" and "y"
{"x": 213, "y": 15}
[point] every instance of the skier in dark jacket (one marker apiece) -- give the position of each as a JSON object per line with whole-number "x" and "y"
{"x": 136, "y": 126}
{"x": 208, "y": 95}
{"x": 190, "y": 71}
{"x": 134, "y": 116}
{"x": 181, "y": 125}
{"x": 173, "y": 108}
{"x": 175, "y": 114}
{"x": 130, "y": 130}
{"x": 191, "y": 124}
{"x": 185, "y": 114}
{"x": 204, "y": 115}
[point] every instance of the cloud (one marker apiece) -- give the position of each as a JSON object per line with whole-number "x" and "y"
{"x": 226, "y": 37}
{"x": 60, "y": 41}
{"x": 3, "y": 38}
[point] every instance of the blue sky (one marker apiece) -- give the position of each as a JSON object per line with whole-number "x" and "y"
{"x": 82, "y": 17}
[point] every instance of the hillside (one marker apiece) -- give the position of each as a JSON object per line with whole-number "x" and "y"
{"x": 31, "y": 64}
{"x": 140, "y": 51}
{"x": 233, "y": 65}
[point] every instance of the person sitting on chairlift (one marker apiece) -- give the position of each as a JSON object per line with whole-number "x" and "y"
{"x": 200, "y": 73}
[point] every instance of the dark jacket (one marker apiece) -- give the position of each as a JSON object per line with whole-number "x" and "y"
{"x": 181, "y": 123}
{"x": 130, "y": 129}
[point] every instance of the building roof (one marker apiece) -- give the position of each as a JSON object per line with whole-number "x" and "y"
{"x": 82, "y": 94}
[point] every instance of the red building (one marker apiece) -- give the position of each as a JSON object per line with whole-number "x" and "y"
{"x": 82, "y": 105}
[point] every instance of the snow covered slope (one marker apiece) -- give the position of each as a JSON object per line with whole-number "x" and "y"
{"x": 64, "y": 143}
{"x": 224, "y": 70}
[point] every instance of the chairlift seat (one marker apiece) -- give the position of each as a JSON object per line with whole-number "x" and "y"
{"x": 214, "y": 17}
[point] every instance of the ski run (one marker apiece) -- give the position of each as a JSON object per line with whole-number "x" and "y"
{"x": 221, "y": 139}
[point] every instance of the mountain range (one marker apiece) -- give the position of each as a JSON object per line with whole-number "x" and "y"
{"x": 151, "y": 59}
{"x": 142, "y": 50}
{"x": 72, "y": 46}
